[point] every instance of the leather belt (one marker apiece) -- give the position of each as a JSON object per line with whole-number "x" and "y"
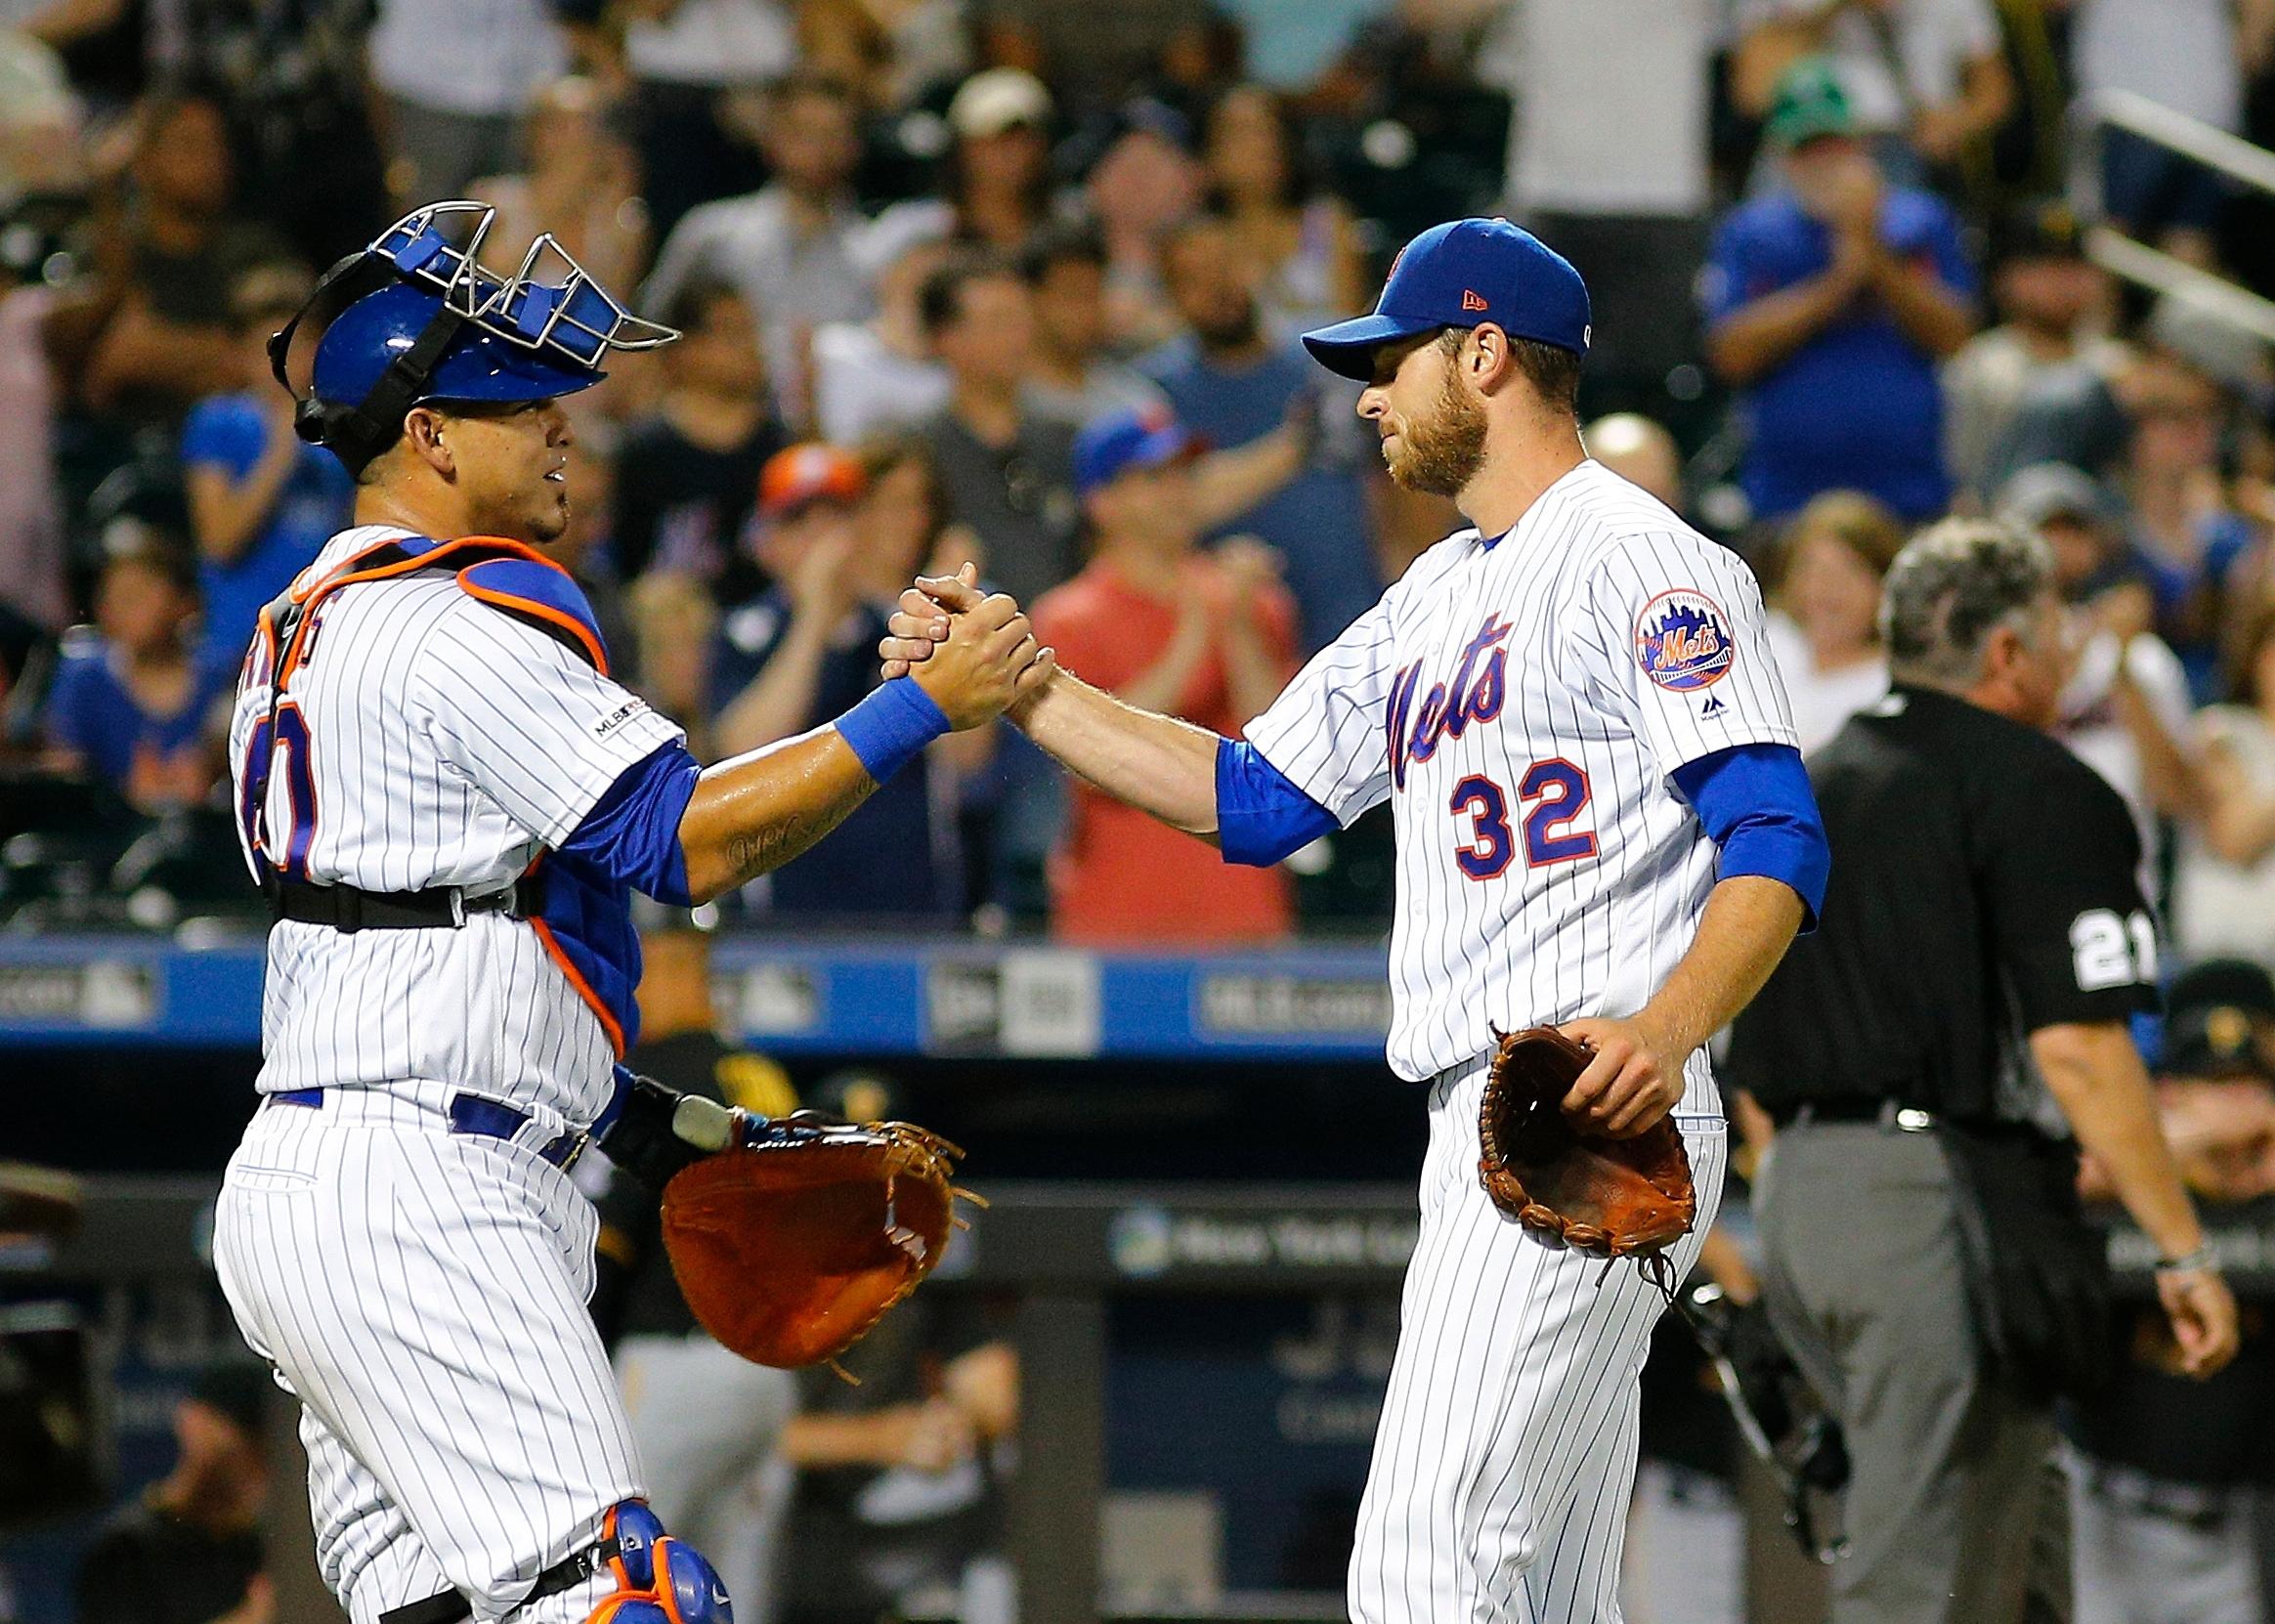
{"x": 351, "y": 907}
{"x": 1885, "y": 1113}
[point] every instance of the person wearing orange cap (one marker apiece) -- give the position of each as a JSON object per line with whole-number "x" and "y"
{"x": 789, "y": 659}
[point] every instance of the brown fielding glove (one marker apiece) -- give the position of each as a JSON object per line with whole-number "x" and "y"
{"x": 1610, "y": 1198}
{"x": 791, "y": 1247}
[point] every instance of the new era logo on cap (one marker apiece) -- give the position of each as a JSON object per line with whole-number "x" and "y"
{"x": 1461, "y": 275}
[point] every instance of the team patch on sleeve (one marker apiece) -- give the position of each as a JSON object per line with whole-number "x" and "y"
{"x": 1683, "y": 641}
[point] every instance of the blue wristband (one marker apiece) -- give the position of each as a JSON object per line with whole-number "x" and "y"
{"x": 892, "y": 727}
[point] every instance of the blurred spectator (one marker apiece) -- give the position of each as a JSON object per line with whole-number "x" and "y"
{"x": 2171, "y": 1473}
{"x": 1232, "y": 385}
{"x": 1640, "y": 451}
{"x": 1006, "y": 466}
{"x": 790, "y": 246}
{"x": 1828, "y": 304}
{"x": 2124, "y": 706}
{"x": 880, "y": 374}
{"x": 1209, "y": 637}
{"x": 998, "y": 185}
{"x": 1299, "y": 236}
{"x": 189, "y": 1550}
{"x": 165, "y": 338}
{"x": 295, "y": 82}
{"x": 2187, "y": 539}
{"x": 1607, "y": 161}
{"x": 2186, "y": 55}
{"x": 132, "y": 703}
{"x": 1824, "y": 622}
{"x": 707, "y": 1423}
{"x": 806, "y": 651}
{"x": 32, "y": 509}
{"x": 585, "y": 551}
{"x": 692, "y": 64}
{"x": 1926, "y": 77}
{"x": 905, "y": 513}
{"x": 2048, "y": 296}
{"x": 902, "y": 1471}
{"x": 894, "y": 52}
{"x": 2223, "y": 890}
{"x": 688, "y": 471}
{"x": 262, "y": 501}
{"x": 673, "y": 618}
{"x": 579, "y": 181}
{"x": 455, "y": 77}
{"x": 1073, "y": 376}
{"x": 1095, "y": 55}
{"x": 1144, "y": 182}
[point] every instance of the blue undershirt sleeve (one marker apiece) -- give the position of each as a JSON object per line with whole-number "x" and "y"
{"x": 1759, "y": 808}
{"x": 1261, "y": 817}
{"x": 633, "y": 831}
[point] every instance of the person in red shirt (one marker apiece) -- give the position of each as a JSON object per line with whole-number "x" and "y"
{"x": 1209, "y": 636}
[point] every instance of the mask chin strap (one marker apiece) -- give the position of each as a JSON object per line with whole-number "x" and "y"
{"x": 357, "y": 433}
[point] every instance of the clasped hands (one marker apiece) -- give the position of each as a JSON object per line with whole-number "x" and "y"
{"x": 972, "y": 652}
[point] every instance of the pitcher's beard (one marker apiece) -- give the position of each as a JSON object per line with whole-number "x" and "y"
{"x": 1441, "y": 453}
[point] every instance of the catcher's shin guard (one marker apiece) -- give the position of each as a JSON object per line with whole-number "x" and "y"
{"x": 660, "y": 1580}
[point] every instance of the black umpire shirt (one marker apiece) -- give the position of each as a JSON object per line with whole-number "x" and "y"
{"x": 1985, "y": 884}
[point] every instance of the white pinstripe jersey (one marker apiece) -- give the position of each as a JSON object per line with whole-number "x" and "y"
{"x": 1521, "y": 704}
{"x": 442, "y": 744}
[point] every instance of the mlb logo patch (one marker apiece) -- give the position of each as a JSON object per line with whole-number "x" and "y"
{"x": 1682, "y": 641}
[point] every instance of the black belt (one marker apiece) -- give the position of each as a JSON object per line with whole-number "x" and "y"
{"x": 451, "y": 1608}
{"x": 351, "y": 907}
{"x": 1887, "y": 1113}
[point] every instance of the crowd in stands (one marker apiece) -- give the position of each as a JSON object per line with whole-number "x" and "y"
{"x": 1012, "y": 285}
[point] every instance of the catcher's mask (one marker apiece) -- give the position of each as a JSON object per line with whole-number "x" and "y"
{"x": 415, "y": 317}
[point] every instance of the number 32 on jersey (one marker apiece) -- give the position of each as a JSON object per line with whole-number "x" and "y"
{"x": 1555, "y": 793}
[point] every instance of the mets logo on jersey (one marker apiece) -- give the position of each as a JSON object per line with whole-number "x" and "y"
{"x": 1682, "y": 641}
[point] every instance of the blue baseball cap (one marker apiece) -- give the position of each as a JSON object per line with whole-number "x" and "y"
{"x": 1460, "y": 274}
{"x": 1109, "y": 447}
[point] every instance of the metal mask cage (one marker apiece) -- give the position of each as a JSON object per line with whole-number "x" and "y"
{"x": 569, "y": 312}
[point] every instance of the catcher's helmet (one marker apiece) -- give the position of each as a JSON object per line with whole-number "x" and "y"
{"x": 416, "y": 318}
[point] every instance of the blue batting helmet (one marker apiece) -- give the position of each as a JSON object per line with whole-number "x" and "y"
{"x": 415, "y": 317}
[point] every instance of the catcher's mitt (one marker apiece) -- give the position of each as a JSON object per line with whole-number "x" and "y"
{"x": 791, "y": 1247}
{"x": 1610, "y": 1198}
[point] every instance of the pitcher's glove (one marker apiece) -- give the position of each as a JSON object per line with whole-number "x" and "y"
{"x": 1610, "y": 1198}
{"x": 791, "y": 1244}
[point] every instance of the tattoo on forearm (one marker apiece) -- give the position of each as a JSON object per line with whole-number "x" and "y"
{"x": 757, "y": 851}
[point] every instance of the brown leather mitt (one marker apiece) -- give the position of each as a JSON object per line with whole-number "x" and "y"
{"x": 789, "y": 1248}
{"x": 1606, "y": 1197}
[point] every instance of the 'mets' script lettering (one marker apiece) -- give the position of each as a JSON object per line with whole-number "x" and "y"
{"x": 1475, "y": 694}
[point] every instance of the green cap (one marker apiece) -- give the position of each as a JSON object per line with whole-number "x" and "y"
{"x": 1810, "y": 103}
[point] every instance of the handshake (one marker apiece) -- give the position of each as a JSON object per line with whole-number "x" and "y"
{"x": 973, "y": 653}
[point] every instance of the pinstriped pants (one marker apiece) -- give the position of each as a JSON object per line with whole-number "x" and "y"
{"x": 1506, "y": 1454}
{"x": 423, "y": 1295}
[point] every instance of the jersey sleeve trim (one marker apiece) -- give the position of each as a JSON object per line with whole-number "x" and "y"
{"x": 1757, "y": 807}
{"x": 1263, "y": 816}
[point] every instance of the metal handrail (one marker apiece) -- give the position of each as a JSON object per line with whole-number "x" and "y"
{"x": 2152, "y": 268}
{"x": 2207, "y": 143}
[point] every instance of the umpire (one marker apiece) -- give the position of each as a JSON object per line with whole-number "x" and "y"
{"x": 1927, "y": 1056}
